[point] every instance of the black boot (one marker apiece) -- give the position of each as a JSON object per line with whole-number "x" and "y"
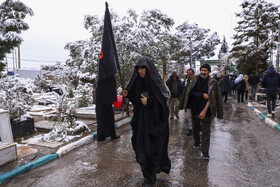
{"x": 115, "y": 137}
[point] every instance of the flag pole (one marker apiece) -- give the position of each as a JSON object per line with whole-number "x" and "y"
{"x": 126, "y": 106}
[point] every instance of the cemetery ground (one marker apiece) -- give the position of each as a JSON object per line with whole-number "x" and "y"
{"x": 244, "y": 151}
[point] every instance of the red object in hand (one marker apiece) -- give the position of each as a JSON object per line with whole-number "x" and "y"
{"x": 118, "y": 104}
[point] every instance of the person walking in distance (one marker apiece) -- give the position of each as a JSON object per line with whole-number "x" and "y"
{"x": 271, "y": 82}
{"x": 150, "y": 125}
{"x": 190, "y": 74}
{"x": 254, "y": 81}
{"x": 240, "y": 87}
{"x": 246, "y": 78}
{"x": 176, "y": 88}
{"x": 225, "y": 87}
{"x": 204, "y": 97}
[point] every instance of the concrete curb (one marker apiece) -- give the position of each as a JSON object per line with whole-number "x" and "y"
{"x": 266, "y": 119}
{"x": 60, "y": 152}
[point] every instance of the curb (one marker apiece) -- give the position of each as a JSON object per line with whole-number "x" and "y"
{"x": 266, "y": 119}
{"x": 60, "y": 152}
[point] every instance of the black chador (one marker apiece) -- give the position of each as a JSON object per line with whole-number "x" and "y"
{"x": 150, "y": 125}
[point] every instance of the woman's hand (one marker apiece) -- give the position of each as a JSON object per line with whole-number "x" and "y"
{"x": 144, "y": 99}
{"x": 124, "y": 93}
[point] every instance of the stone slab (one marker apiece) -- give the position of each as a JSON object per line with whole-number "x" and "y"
{"x": 23, "y": 151}
{"x": 8, "y": 153}
{"x": 44, "y": 126}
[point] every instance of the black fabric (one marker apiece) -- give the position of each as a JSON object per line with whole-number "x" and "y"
{"x": 170, "y": 82}
{"x": 174, "y": 91}
{"x": 241, "y": 85}
{"x": 105, "y": 121}
{"x": 154, "y": 75}
{"x": 109, "y": 62}
{"x": 148, "y": 172}
{"x": 106, "y": 92}
{"x": 196, "y": 96}
{"x": 224, "y": 84}
{"x": 150, "y": 125}
{"x": 254, "y": 79}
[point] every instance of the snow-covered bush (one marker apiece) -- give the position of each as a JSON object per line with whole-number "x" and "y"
{"x": 63, "y": 133}
{"x": 16, "y": 97}
{"x": 84, "y": 93}
{"x": 65, "y": 106}
{"x": 42, "y": 84}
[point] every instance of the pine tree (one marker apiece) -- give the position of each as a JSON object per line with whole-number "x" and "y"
{"x": 258, "y": 19}
{"x": 224, "y": 48}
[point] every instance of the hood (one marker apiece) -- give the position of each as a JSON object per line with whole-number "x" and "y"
{"x": 174, "y": 74}
{"x": 271, "y": 69}
{"x": 226, "y": 77}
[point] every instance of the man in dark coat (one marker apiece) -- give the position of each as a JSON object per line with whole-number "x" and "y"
{"x": 150, "y": 126}
{"x": 225, "y": 87}
{"x": 204, "y": 97}
{"x": 254, "y": 81}
{"x": 270, "y": 82}
{"x": 176, "y": 88}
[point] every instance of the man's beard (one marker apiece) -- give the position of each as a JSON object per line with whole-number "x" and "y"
{"x": 204, "y": 76}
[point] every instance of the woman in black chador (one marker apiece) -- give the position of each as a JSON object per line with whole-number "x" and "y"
{"x": 150, "y": 126}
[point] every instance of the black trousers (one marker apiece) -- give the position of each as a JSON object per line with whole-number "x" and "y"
{"x": 205, "y": 138}
{"x": 240, "y": 95}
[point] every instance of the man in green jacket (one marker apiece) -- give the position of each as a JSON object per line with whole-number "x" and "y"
{"x": 203, "y": 96}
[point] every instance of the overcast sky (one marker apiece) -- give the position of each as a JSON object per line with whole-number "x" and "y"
{"x": 56, "y": 22}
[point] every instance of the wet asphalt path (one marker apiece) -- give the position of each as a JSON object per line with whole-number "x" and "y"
{"x": 244, "y": 151}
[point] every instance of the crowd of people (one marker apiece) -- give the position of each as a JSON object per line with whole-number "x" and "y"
{"x": 200, "y": 96}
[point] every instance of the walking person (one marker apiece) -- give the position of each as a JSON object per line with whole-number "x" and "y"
{"x": 240, "y": 88}
{"x": 190, "y": 74}
{"x": 176, "y": 88}
{"x": 203, "y": 96}
{"x": 254, "y": 81}
{"x": 271, "y": 82}
{"x": 225, "y": 87}
{"x": 246, "y": 78}
{"x": 150, "y": 125}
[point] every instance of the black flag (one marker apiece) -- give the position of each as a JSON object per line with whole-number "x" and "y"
{"x": 108, "y": 64}
{"x": 106, "y": 92}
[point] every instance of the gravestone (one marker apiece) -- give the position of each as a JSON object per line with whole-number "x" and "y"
{"x": 8, "y": 149}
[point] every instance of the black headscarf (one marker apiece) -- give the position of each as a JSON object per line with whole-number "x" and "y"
{"x": 155, "y": 76}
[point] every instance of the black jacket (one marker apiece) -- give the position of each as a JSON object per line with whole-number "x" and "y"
{"x": 169, "y": 83}
{"x": 241, "y": 85}
{"x": 254, "y": 79}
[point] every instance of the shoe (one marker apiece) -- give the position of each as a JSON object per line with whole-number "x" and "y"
{"x": 273, "y": 113}
{"x": 189, "y": 133}
{"x": 196, "y": 146}
{"x": 177, "y": 116}
{"x": 269, "y": 115}
{"x": 205, "y": 156}
{"x": 100, "y": 138}
{"x": 115, "y": 137}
